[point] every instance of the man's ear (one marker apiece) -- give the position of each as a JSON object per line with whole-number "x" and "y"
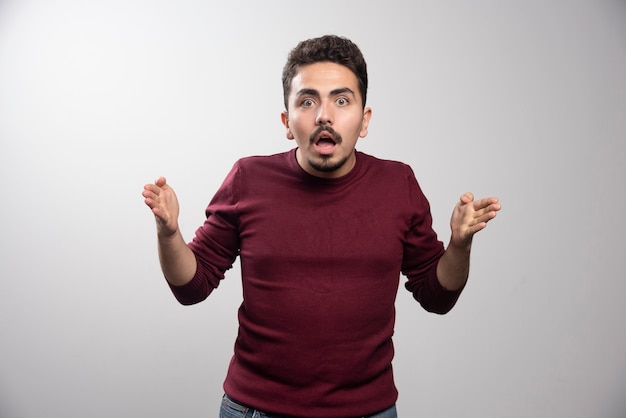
{"x": 367, "y": 115}
{"x": 284, "y": 117}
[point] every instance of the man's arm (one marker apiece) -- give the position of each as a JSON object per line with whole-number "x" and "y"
{"x": 178, "y": 262}
{"x": 468, "y": 218}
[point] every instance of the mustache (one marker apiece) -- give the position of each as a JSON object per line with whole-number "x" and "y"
{"x": 325, "y": 128}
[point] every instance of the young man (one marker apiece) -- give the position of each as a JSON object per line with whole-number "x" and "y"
{"x": 323, "y": 232}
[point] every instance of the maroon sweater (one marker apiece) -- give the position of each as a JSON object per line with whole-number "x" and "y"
{"x": 320, "y": 261}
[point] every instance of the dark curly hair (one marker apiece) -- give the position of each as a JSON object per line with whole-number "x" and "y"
{"x": 327, "y": 48}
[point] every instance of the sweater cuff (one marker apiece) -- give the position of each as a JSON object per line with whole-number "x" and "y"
{"x": 436, "y": 298}
{"x": 193, "y": 292}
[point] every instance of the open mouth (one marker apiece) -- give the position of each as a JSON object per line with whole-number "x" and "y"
{"x": 325, "y": 142}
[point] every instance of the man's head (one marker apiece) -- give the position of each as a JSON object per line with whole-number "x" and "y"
{"x": 328, "y": 48}
{"x": 325, "y": 82}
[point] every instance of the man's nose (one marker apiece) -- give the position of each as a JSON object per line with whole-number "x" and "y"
{"x": 324, "y": 114}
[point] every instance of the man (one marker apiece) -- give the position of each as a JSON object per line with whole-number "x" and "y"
{"x": 323, "y": 233}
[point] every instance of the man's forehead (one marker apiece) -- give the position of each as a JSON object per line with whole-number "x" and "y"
{"x": 326, "y": 75}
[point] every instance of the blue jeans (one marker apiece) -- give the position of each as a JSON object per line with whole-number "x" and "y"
{"x": 232, "y": 409}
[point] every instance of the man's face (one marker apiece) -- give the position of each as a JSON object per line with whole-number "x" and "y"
{"x": 325, "y": 117}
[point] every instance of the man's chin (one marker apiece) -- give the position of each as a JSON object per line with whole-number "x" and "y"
{"x": 327, "y": 164}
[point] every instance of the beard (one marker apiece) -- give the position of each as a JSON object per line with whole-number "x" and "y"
{"x": 326, "y": 163}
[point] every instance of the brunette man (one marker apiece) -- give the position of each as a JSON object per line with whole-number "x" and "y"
{"x": 323, "y": 233}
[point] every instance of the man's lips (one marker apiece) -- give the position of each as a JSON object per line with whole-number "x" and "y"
{"x": 325, "y": 147}
{"x": 325, "y": 134}
{"x": 322, "y": 140}
{"x": 325, "y": 140}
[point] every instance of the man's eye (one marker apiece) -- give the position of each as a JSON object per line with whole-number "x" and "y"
{"x": 307, "y": 103}
{"x": 342, "y": 101}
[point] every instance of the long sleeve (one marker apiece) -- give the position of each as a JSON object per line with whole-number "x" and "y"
{"x": 215, "y": 244}
{"x": 422, "y": 251}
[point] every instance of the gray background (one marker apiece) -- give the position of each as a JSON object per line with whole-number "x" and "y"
{"x": 525, "y": 100}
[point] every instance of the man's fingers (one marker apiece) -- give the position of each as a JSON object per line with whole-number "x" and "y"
{"x": 467, "y": 198}
{"x": 485, "y": 203}
{"x": 486, "y": 217}
{"x": 151, "y": 189}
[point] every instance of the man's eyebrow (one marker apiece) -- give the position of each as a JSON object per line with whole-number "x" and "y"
{"x": 313, "y": 92}
{"x": 342, "y": 90}
{"x": 308, "y": 92}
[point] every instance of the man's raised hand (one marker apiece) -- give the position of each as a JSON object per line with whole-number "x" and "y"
{"x": 470, "y": 216}
{"x": 162, "y": 200}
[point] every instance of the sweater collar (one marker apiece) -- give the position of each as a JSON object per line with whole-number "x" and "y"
{"x": 311, "y": 179}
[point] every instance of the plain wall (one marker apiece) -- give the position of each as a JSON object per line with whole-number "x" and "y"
{"x": 525, "y": 100}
